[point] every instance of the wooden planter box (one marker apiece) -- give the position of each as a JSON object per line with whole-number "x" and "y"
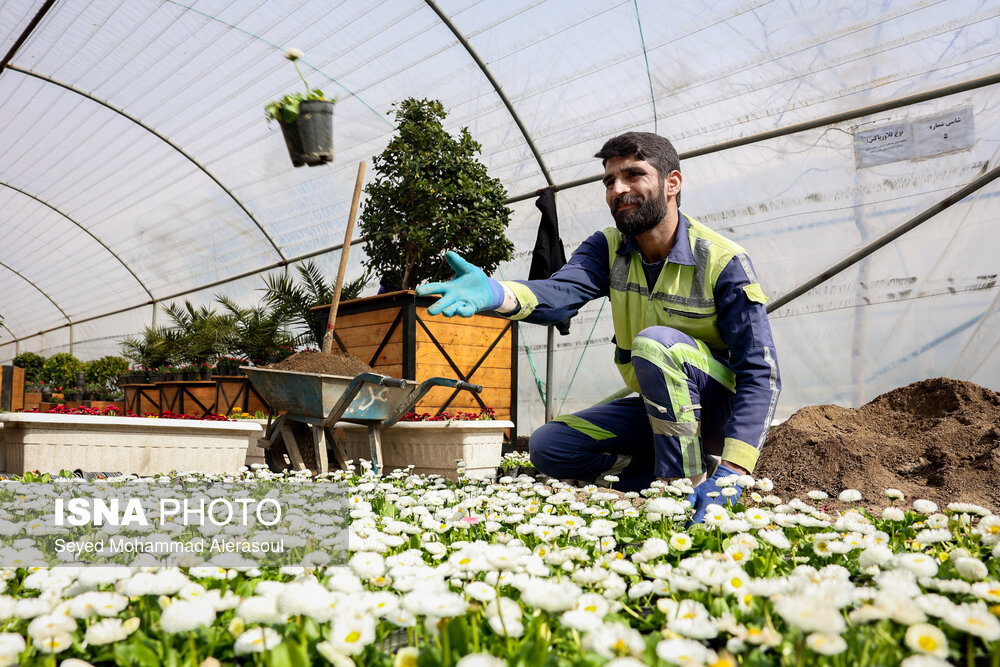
{"x": 142, "y": 399}
{"x": 433, "y": 448}
{"x": 11, "y": 388}
{"x": 393, "y": 334}
{"x": 32, "y": 399}
{"x": 51, "y": 443}
{"x": 194, "y": 398}
{"x": 236, "y": 391}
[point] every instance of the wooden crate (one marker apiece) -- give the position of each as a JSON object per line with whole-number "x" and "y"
{"x": 196, "y": 398}
{"x": 236, "y": 391}
{"x": 393, "y": 334}
{"x": 32, "y": 399}
{"x": 11, "y": 388}
{"x": 142, "y": 399}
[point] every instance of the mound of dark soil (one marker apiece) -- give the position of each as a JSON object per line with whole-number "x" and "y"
{"x": 327, "y": 364}
{"x": 937, "y": 439}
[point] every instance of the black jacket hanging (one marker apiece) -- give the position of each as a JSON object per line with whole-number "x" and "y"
{"x": 548, "y": 255}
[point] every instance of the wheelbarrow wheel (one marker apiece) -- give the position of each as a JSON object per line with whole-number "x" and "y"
{"x": 277, "y": 458}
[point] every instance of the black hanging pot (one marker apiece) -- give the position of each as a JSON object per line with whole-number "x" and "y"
{"x": 310, "y": 138}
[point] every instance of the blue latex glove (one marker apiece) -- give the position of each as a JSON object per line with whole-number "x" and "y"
{"x": 469, "y": 292}
{"x": 700, "y": 500}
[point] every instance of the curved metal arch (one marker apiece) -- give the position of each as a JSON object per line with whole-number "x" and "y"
{"x": 16, "y": 339}
{"x": 88, "y": 232}
{"x": 159, "y": 136}
{"x": 496, "y": 87}
{"x": 41, "y": 291}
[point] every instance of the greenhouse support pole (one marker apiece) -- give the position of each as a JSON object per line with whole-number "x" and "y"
{"x": 71, "y": 338}
{"x": 549, "y": 371}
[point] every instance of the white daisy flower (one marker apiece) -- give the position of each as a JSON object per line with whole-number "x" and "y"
{"x": 826, "y": 644}
{"x": 927, "y": 639}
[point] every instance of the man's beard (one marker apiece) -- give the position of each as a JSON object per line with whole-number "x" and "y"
{"x": 646, "y": 214}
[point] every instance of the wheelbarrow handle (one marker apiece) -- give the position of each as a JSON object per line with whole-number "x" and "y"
{"x": 468, "y": 386}
{"x": 394, "y": 382}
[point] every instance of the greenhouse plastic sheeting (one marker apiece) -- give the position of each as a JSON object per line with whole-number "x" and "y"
{"x": 136, "y": 167}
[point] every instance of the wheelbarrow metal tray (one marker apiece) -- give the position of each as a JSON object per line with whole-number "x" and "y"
{"x": 315, "y": 394}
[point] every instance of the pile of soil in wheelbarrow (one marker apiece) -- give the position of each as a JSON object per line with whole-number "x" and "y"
{"x": 327, "y": 364}
{"x": 937, "y": 439}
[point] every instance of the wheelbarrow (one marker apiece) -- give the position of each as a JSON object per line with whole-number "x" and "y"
{"x": 312, "y": 403}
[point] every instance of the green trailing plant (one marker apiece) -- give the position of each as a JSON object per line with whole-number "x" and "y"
{"x": 431, "y": 195}
{"x": 286, "y": 110}
{"x": 295, "y": 300}
{"x": 60, "y": 369}
{"x": 32, "y": 364}
{"x": 259, "y": 334}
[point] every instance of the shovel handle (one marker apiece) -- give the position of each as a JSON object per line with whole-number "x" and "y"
{"x": 328, "y": 336}
{"x": 468, "y": 386}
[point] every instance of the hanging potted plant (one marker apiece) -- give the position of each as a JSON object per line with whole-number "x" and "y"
{"x": 306, "y": 121}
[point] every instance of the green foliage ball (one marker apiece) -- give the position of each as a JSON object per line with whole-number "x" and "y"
{"x": 60, "y": 370}
{"x": 32, "y": 364}
{"x": 431, "y": 195}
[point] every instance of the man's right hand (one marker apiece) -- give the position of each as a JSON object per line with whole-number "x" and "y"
{"x": 469, "y": 292}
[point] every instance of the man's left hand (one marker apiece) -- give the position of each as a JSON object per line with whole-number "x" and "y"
{"x": 700, "y": 498}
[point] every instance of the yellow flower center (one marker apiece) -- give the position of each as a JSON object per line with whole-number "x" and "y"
{"x": 619, "y": 647}
{"x": 353, "y": 637}
{"x": 736, "y": 582}
{"x": 590, "y": 607}
{"x": 927, "y": 643}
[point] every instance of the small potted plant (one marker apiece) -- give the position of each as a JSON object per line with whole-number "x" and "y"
{"x": 306, "y": 121}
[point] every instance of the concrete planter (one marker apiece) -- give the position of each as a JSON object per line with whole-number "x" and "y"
{"x": 434, "y": 447}
{"x": 52, "y": 442}
{"x": 255, "y": 453}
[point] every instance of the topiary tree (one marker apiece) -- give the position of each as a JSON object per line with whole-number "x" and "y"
{"x": 431, "y": 195}
{"x": 60, "y": 370}
{"x": 32, "y": 364}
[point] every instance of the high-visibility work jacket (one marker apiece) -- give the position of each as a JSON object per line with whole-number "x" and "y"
{"x": 706, "y": 288}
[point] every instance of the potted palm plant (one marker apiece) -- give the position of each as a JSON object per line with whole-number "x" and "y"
{"x": 297, "y": 300}
{"x": 306, "y": 121}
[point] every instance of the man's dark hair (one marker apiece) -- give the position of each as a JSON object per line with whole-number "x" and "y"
{"x": 652, "y": 148}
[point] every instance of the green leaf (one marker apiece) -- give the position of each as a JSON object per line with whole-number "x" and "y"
{"x": 134, "y": 653}
{"x": 458, "y": 634}
{"x": 290, "y": 654}
{"x": 430, "y": 656}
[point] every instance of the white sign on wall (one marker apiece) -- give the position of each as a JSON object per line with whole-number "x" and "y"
{"x": 882, "y": 145}
{"x": 935, "y": 135}
{"x": 944, "y": 133}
